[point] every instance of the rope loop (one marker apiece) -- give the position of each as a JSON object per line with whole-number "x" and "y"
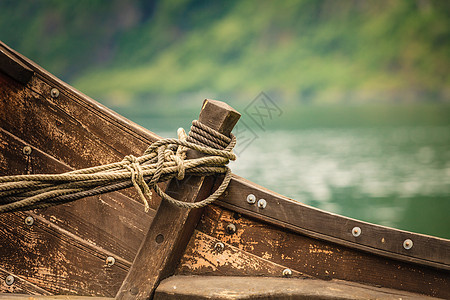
{"x": 163, "y": 160}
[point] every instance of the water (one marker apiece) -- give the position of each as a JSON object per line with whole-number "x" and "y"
{"x": 397, "y": 177}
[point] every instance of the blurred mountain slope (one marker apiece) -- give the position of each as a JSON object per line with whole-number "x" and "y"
{"x": 124, "y": 52}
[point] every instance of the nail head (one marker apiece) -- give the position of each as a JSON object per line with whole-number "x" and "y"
{"x": 219, "y": 246}
{"x": 231, "y": 228}
{"x": 110, "y": 261}
{"x": 407, "y": 244}
{"x": 251, "y": 199}
{"x": 29, "y": 220}
{"x": 356, "y": 231}
{"x": 27, "y": 150}
{"x": 54, "y": 93}
{"x": 287, "y": 272}
{"x": 9, "y": 280}
{"x": 262, "y": 203}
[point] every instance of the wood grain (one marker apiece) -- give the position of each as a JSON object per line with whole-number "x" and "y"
{"x": 234, "y": 287}
{"x": 58, "y": 263}
{"x": 201, "y": 258}
{"x": 113, "y": 221}
{"x": 172, "y": 226}
{"x": 287, "y": 213}
{"x": 318, "y": 258}
{"x": 41, "y": 297}
{"x": 66, "y": 132}
{"x": 19, "y": 285}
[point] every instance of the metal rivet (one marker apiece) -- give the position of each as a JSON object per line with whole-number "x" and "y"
{"x": 27, "y": 150}
{"x": 54, "y": 93}
{"x": 287, "y": 273}
{"x": 110, "y": 261}
{"x": 159, "y": 238}
{"x": 407, "y": 244}
{"x": 262, "y": 203}
{"x": 231, "y": 228}
{"x": 219, "y": 246}
{"x": 29, "y": 220}
{"x": 251, "y": 199}
{"x": 356, "y": 231}
{"x": 9, "y": 280}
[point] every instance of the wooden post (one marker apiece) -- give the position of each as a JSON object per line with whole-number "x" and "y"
{"x": 172, "y": 226}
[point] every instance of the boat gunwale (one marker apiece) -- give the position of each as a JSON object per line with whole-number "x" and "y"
{"x": 300, "y": 218}
{"x": 237, "y": 201}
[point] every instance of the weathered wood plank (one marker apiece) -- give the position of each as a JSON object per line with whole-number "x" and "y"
{"x": 41, "y": 297}
{"x": 55, "y": 260}
{"x": 202, "y": 258}
{"x": 113, "y": 221}
{"x": 73, "y": 131}
{"x": 19, "y": 285}
{"x": 233, "y": 287}
{"x": 90, "y": 111}
{"x": 172, "y": 227}
{"x": 286, "y": 213}
{"x": 321, "y": 259}
{"x": 83, "y": 132}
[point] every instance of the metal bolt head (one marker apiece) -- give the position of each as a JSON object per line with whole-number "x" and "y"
{"x": 251, "y": 199}
{"x": 27, "y": 150}
{"x": 231, "y": 228}
{"x": 9, "y": 280}
{"x": 54, "y": 93}
{"x": 262, "y": 203}
{"x": 287, "y": 272}
{"x": 407, "y": 244}
{"x": 356, "y": 231}
{"x": 110, "y": 261}
{"x": 29, "y": 220}
{"x": 219, "y": 246}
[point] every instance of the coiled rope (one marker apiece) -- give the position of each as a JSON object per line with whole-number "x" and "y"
{"x": 163, "y": 160}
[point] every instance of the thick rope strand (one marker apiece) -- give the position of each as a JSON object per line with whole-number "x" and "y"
{"x": 163, "y": 160}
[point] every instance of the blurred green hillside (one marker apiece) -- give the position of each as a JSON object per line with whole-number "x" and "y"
{"x": 157, "y": 54}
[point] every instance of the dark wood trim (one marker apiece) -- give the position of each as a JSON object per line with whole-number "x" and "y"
{"x": 172, "y": 226}
{"x": 313, "y": 222}
{"x": 14, "y": 68}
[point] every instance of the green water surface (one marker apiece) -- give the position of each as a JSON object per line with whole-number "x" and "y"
{"x": 393, "y": 176}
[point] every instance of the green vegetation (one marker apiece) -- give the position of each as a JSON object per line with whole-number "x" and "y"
{"x": 153, "y": 55}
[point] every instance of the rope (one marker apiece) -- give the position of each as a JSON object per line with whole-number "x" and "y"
{"x": 163, "y": 160}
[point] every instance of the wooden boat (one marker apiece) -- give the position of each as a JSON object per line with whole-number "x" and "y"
{"x": 108, "y": 246}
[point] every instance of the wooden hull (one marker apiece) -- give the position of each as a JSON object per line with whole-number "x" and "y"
{"x": 66, "y": 249}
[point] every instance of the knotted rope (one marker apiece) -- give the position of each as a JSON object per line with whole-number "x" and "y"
{"x": 163, "y": 160}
